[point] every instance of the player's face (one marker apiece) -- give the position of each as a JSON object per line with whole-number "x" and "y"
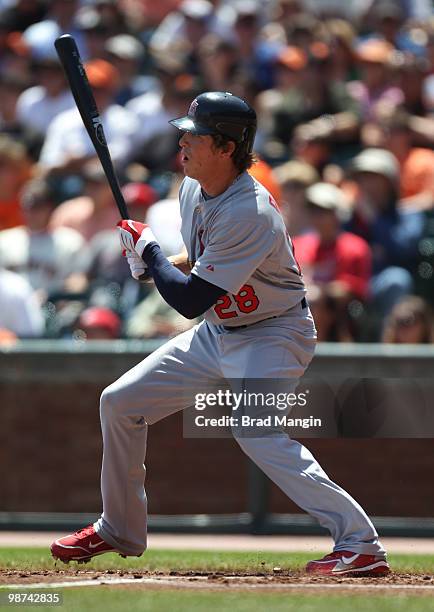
{"x": 199, "y": 156}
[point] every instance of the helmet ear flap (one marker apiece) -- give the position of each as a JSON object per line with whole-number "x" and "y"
{"x": 239, "y": 133}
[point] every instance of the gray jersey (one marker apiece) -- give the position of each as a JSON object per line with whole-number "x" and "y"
{"x": 238, "y": 241}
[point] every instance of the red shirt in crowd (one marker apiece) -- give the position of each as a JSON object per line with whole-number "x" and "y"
{"x": 347, "y": 259}
{"x": 10, "y": 215}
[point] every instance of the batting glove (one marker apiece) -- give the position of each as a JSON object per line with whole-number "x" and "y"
{"x": 139, "y": 270}
{"x": 135, "y": 236}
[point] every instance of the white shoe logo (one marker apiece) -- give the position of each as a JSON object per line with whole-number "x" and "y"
{"x": 349, "y": 560}
{"x": 96, "y": 545}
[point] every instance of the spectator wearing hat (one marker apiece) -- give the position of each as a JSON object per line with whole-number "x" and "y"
{"x": 67, "y": 145}
{"x": 37, "y": 106}
{"x": 15, "y": 171}
{"x": 310, "y": 146}
{"x": 375, "y": 89}
{"x": 288, "y": 63}
{"x": 92, "y": 212}
{"x": 341, "y": 39}
{"x": 98, "y": 22}
{"x": 198, "y": 17}
{"x": 416, "y": 163}
{"x": 125, "y": 52}
{"x": 44, "y": 257}
{"x": 59, "y": 19}
{"x": 294, "y": 178}
{"x": 181, "y": 32}
{"x": 392, "y": 233}
{"x": 98, "y": 323}
{"x": 336, "y": 263}
{"x": 328, "y": 253}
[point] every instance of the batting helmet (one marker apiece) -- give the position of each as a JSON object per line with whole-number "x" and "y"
{"x": 219, "y": 112}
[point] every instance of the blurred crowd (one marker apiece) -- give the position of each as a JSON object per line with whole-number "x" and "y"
{"x": 344, "y": 93}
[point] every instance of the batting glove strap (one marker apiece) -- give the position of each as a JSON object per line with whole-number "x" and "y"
{"x": 135, "y": 236}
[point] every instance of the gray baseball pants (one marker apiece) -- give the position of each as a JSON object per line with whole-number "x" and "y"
{"x": 155, "y": 388}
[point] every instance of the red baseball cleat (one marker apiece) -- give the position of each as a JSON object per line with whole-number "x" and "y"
{"x": 80, "y": 546}
{"x": 349, "y": 563}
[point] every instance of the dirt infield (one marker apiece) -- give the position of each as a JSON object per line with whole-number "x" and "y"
{"x": 417, "y": 584}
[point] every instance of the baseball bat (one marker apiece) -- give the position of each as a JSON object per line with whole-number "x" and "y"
{"x": 78, "y": 82}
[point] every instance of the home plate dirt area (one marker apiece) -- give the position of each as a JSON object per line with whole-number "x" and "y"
{"x": 421, "y": 584}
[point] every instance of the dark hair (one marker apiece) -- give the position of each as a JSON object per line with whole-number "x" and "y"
{"x": 407, "y": 311}
{"x": 35, "y": 192}
{"x": 242, "y": 159}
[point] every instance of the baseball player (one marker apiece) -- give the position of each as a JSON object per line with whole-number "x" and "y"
{"x": 239, "y": 271}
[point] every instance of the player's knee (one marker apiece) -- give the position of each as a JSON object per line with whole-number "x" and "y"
{"x": 109, "y": 403}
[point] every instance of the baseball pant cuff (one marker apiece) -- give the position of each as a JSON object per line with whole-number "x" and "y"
{"x": 121, "y": 546}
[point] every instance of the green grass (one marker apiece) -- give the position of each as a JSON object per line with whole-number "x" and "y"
{"x": 35, "y": 559}
{"x": 110, "y": 599}
{"x": 134, "y": 598}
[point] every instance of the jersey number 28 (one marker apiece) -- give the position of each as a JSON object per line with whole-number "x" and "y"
{"x": 246, "y": 301}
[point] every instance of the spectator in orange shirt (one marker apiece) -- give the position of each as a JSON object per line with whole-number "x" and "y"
{"x": 263, "y": 173}
{"x": 15, "y": 170}
{"x": 416, "y": 163}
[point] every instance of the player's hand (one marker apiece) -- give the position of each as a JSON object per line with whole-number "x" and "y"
{"x": 139, "y": 270}
{"x": 135, "y": 236}
{"x": 138, "y": 267}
